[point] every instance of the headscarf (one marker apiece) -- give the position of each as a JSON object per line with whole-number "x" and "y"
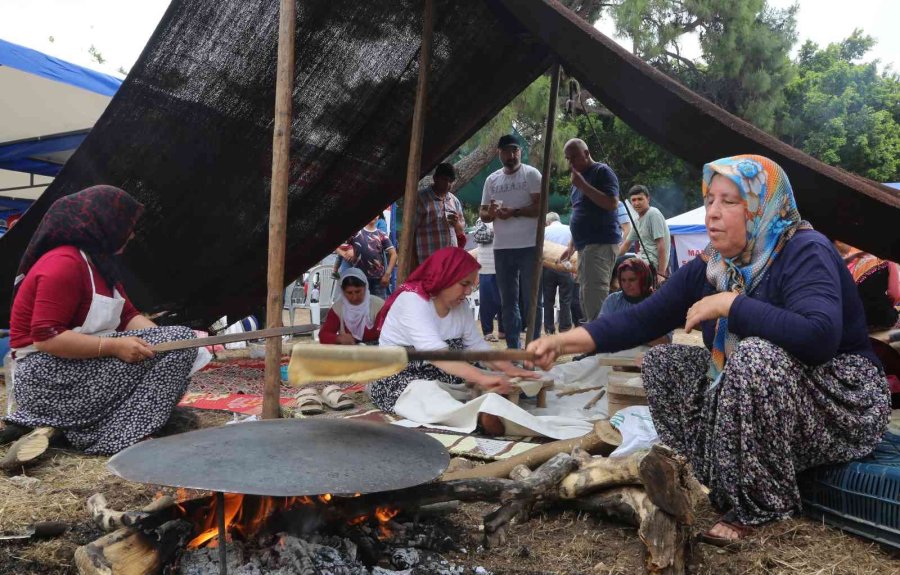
{"x": 98, "y": 220}
{"x": 772, "y": 219}
{"x": 863, "y": 265}
{"x": 439, "y": 271}
{"x": 356, "y": 317}
{"x": 641, "y": 269}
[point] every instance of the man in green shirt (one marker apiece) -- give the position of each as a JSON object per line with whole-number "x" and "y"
{"x": 653, "y": 230}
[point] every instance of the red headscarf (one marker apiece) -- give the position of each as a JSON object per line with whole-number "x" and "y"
{"x": 644, "y": 276}
{"x": 441, "y": 270}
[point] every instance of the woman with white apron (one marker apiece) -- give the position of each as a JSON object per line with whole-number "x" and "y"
{"x": 83, "y": 358}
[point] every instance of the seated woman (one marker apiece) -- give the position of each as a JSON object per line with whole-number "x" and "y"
{"x": 351, "y": 320}
{"x": 83, "y": 358}
{"x": 635, "y": 281}
{"x": 425, "y": 313}
{"x": 789, "y": 380}
{"x": 878, "y": 284}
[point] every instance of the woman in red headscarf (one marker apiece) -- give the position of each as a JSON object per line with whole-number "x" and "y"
{"x": 425, "y": 313}
{"x": 84, "y": 362}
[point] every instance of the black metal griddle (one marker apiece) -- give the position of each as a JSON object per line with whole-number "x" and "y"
{"x": 287, "y": 457}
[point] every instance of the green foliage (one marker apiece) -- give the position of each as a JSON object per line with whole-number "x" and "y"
{"x": 745, "y": 49}
{"x": 526, "y": 114}
{"x": 844, "y": 113}
{"x": 636, "y": 160}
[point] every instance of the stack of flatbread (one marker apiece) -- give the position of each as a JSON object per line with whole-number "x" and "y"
{"x": 552, "y": 252}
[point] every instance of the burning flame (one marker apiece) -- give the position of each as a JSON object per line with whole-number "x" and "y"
{"x": 246, "y": 519}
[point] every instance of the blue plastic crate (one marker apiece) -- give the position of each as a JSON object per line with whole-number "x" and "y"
{"x": 861, "y": 497}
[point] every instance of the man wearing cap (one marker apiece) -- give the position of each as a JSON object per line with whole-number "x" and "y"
{"x": 596, "y": 233}
{"x": 511, "y": 199}
{"x": 439, "y": 214}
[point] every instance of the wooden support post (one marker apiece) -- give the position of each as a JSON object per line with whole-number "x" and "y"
{"x": 545, "y": 199}
{"x": 281, "y": 152}
{"x": 414, "y": 163}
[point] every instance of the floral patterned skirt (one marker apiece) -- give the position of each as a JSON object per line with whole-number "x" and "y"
{"x": 104, "y": 405}
{"x": 385, "y": 392}
{"x": 769, "y": 418}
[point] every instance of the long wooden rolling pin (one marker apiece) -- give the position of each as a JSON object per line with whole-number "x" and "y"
{"x": 233, "y": 337}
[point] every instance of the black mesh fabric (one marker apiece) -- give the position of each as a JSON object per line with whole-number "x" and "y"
{"x": 189, "y": 133}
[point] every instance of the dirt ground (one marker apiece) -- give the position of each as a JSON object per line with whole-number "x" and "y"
{"x": 553, "y": 541}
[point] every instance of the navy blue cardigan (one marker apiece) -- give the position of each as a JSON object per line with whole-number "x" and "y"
{"x": 807, "y": 304}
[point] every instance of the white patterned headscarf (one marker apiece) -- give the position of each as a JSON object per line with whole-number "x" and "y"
{"x": 356, "y": 317}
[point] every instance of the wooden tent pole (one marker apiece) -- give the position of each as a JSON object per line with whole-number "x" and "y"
{"x": 545, "y": 200}
{"x": 281, "y": 152}
{"x": 414, "y": 163}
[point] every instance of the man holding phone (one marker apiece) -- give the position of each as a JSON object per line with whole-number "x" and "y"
{"x": 596, "y": 233}
{"x": 511, "y": 199}
{"x": 439, "y": 215}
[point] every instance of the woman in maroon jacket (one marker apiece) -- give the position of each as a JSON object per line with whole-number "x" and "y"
{"x": 83, "y": 358}
{"x": 351, "y": 320}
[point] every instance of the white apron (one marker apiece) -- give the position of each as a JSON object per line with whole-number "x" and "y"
{"x": 103, "y": 317}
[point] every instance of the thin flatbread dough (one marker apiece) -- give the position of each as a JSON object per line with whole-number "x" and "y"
{"x": 311, "y": 363}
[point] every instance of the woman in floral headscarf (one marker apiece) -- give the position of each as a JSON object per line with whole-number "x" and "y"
{"x": 789, "y": 380}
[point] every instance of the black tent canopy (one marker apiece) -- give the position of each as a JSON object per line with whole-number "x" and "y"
{"x": 189, "y": 133}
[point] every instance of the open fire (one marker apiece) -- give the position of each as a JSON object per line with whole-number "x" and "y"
{"x": 247, "y": 516}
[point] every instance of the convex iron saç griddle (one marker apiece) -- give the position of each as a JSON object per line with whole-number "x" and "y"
{"x": 287, "y": 457}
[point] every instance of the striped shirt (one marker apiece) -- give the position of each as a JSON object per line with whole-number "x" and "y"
{"x": 433, "y": 232}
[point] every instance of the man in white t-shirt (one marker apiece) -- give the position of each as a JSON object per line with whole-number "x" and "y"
{"x": 511, "y": 200}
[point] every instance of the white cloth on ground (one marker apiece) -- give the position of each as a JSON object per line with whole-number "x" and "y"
{"x": 428, "y": 403}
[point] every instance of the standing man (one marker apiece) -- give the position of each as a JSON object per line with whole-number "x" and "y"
{"x": 439, "y": 214}
{"x": 511, "y": 200}
{"x": 558, "y": 233}
{"x": 596, "y": 233}
{"x": 370, "y": 246}
{"x": 654, "y": 232}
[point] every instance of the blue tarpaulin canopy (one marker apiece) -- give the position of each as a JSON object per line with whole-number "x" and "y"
{"x": 47, "y": 107}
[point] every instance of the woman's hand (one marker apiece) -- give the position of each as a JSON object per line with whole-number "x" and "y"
{"x": 346, "y": 339}
{"x": 129, "y": 349}
{"x": 513, "y": 371}
{"x": 546, "y": 350}
{"x": 710, "y": 307}
{"x": 494, "y": 382}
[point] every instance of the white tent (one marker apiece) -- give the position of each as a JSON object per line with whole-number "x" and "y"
{"x": 47, "y": 107}
{"x": 688, "y": 231}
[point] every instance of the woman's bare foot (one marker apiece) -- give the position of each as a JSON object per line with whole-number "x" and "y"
{"x": 728, "y": 531}
{"x": 491, "y": 424}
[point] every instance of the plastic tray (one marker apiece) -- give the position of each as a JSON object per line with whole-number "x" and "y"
{"x": 861, "y": 497}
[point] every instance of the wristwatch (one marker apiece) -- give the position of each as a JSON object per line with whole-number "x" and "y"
{"x": 516, "y": 212}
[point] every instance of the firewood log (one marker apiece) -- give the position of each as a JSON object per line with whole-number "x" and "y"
{"x": 590, "y": 442}
{"x": 542, "y": 483}
{"x": 128, "y": 551}
{"x": 667, "y": 542}
{"x": 602, "y": 473}
{"x": 669, "y": 483}
{"x": 110, "y": 519}
{"x": 27, "y": 448}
